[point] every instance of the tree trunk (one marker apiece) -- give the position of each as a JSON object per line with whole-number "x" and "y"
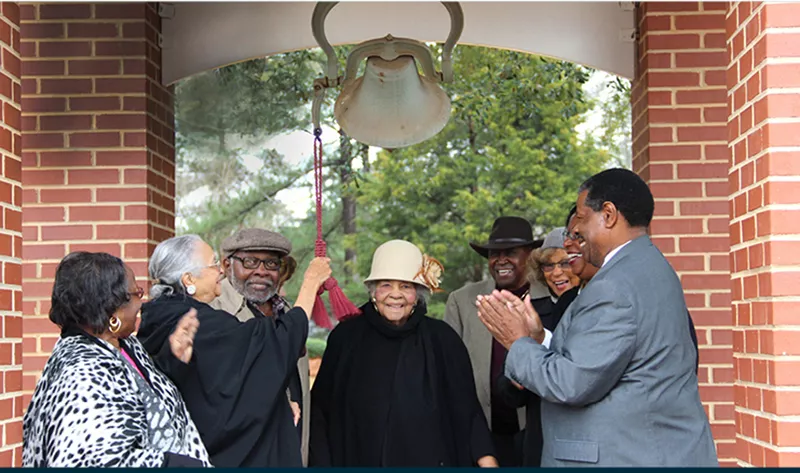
{"x": 348, "y": 203}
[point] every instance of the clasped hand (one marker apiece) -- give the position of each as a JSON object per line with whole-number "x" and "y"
{"x": 508, "y": 318}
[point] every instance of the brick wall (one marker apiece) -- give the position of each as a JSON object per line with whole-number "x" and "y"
{"x": 764, "y": 132}
{"x": 11, "y": 402}
{"x": 98, "y": 147}
{"x": 680, "y": 149}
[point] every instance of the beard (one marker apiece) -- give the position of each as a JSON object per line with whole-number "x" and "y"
{"x": 256, "y": 296}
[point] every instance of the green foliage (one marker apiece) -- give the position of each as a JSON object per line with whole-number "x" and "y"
{"x": 315, "y": 347}
{"x": 510, "y": 148}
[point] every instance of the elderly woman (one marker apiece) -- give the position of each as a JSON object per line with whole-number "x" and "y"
{"x": 395, "y": 388}
{"x": 235, "y": 385}
{"x": 101, "y": 402}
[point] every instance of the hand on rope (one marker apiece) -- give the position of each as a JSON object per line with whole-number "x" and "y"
{"x": 342, "y": 307}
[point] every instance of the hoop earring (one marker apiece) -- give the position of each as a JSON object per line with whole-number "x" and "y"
{"x": 191, "y": 289}
{"x": 114, "y": 324}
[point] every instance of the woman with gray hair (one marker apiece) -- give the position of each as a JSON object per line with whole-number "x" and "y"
{"x": 395, "y": 388}
{"x": 235, "y": 383}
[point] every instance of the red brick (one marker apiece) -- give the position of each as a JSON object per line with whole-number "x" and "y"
{"x": 94, "y": 103}
{"x": 65, "y": 122}
{"x": 92, "y": 30}
{"x": 686, "y": 263}
{"x": 781, "y": 15}
{"x": 673, "y": 79}
{"x": 66, "y": 86}
{"x": 110, "y": 248}
{"x": 675, "y": 153}
{"x": 43, "y": 214}
{"x": 134, "y": 67}
{"x": 702, "y": 133}
{"x": 120, "y": 48}
{"x": 121, "y": 232}
{"x": 64, "y": 11}
{"x": 121, "y": 158}
{"x": 65, "y": 195}
{"x": 65, "y": 49}
{"x": 138, "y": 250}
{"x": 135, "y": 140}
{"x": 671, "y": 41}
{"x": 699, "y": 22}
{"x": 94, "y": 213}
{"x": 37, "y": 177}
{"x": 66, "y": 232}
{"x": 123, "y": 194}
{"x": 121, "y": 11}
{"x": 716, "y": 393}
{"x": 782, "y": 134}
{"x": 93, "y": 176}
{"x": 712, "y": 96}
{"x": 676, "y": 189}
{"x": 704, "y": 244}
{"x": 121, "y": 122}
{"x": 94, "y": 140}
{"x": 94, "y": 67}
{"x": 65, "y": 158}
{"x": 43, "y": 104}
{"x": 39, "y": 252}
{"x": 42, "y": 140}
{"x": 120, "y": 86}
{"x": 42, "y": 68}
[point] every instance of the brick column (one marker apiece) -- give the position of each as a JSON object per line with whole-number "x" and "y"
{"x": 11, "y": 402}
{"x": 98, "y": 151}
{"x": 764, "y": 132}
{"x": 680, "y": 149}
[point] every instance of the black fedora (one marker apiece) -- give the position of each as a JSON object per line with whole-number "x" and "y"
{"x": 507, "y": 232}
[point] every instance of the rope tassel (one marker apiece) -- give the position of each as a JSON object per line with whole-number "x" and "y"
{"x": 342, "y": 307}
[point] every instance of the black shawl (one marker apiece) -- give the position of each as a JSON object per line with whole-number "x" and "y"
{"x": 396, "y": 396}
{"x": 235, "y": 384}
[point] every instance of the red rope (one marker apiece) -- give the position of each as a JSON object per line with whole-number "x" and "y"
{"x": 320, "y": 248}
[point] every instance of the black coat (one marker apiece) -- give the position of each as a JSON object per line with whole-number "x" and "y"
{"x": 389, "y": 396}
{"x": 550, "y": 314}
{"x": 235, "y": 384}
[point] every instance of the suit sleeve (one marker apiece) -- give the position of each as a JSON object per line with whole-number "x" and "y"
{"x": 452, "y": 316}
{"x": 598, "y": 347}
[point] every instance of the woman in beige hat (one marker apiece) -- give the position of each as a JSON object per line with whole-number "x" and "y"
{"x": 395, "y": 387}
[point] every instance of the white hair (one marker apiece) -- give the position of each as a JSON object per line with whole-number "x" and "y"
{"x": 172, "y": 259}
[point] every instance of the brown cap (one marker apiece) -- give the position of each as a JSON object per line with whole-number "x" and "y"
{"x": 255, "y": 239}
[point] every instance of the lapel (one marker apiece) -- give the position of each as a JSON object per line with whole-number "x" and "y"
{"x": 636, "y": 245}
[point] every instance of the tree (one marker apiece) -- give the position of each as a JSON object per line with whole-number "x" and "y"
{"x": 510, "y": 148}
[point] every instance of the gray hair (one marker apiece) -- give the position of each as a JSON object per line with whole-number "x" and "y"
{"x": 423, "y": 293}
{"x": 172, "y": 259}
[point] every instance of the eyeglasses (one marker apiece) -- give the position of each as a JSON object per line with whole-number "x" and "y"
{"x": 549, "y": 267}
{"x": 251, "y": 262}
{"x": 570, "y": 235}
{"x": 139, "y": 292}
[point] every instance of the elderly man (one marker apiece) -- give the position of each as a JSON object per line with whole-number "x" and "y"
{"x": 510, "y": 243}
{"x": 617, "y": 377}
{"x": 256, "y": 264}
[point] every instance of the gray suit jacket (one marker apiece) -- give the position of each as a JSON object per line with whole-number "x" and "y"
{"x": 618, "y": 384}
{"x": 462, "y": 314}
{"x": 233, "y": 303}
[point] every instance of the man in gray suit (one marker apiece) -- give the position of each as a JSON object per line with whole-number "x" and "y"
{"x": 510, "y": 243}
{"x": 618, "y": 382}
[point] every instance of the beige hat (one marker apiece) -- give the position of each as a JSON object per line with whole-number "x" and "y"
{"x": 399, "y": 260}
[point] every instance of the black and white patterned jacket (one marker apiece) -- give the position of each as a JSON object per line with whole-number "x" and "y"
{"x": 87, "y": 411}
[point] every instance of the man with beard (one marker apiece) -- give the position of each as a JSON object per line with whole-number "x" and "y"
{"x": 256, "y": 264}
{"x": 510, "y": 243}
{"x": 617, "y": 377}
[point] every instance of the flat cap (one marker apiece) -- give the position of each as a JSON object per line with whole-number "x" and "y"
{"x": 255, "y": 239}
{"x": 554, "y": 239}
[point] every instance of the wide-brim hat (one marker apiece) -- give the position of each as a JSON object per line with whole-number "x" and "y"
{"x": 507, "y": 233}
{"x": 400, "y": 260}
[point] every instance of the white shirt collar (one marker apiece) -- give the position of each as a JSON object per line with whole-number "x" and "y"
{"x": 614, "y": 252}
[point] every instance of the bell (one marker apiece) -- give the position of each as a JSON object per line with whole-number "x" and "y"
{"x": 391, "y": 105}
